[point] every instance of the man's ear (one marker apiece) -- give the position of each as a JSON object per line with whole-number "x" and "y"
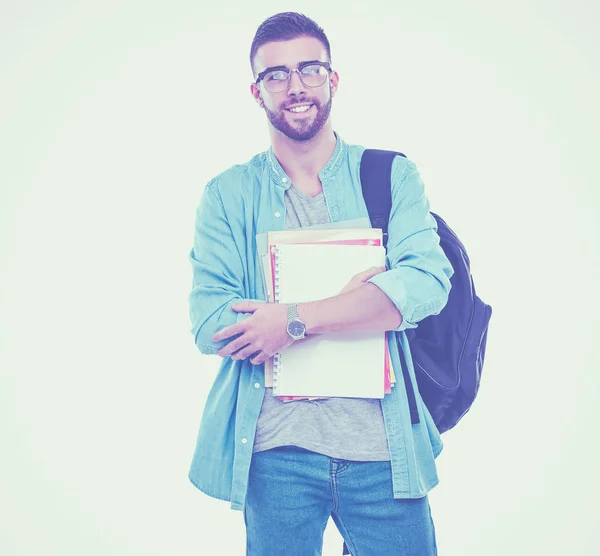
{"x": 255, "y": 90}
{"x": 333, "y": 83}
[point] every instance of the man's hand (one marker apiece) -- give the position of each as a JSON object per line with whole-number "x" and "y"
{"x": 262, "y": 335}
{"x": 265, "y": 332}
{"x": 362, "y": 277}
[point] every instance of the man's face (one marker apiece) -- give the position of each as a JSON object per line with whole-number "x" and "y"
{"x": 300, "y": 126}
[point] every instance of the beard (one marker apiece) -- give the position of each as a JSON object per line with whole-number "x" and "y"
{"x": 302, "y": 129}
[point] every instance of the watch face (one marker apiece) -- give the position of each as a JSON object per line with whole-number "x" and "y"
{"x": 296, "y": 328}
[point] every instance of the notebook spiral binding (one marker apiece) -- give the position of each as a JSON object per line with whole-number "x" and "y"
{"x": 276, "y": 293}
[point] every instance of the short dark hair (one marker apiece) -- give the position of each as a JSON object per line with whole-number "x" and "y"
{"x": 285, "y": 26}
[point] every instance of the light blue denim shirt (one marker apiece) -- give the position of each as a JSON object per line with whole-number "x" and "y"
{"x": 247, "y": 200}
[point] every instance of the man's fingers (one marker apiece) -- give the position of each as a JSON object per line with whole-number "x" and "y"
{"x": 259, "y": 358}
{"x": 233, "y": 346}
{"x": 370, "y": 272}
{"x": 353, "y": 284}
{"x": 246, "y": 306}
{"x": 245, "y": 352}
{"x": 376, "y": 270}
{"x": 229, "y": 331}
{"x": 360, "y": 278}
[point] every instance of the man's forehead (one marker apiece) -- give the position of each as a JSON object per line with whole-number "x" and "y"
{"x": 289, "y": 53}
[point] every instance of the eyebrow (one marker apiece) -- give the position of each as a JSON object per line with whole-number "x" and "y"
{"x": 274, "y": 68}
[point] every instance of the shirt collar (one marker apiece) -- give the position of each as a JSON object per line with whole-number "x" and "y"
{"x": 283, "y": 180}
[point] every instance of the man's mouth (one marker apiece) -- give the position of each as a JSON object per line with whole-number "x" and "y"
{"x": 299, "y": 108}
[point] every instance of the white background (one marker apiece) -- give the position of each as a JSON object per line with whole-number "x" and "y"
{"x": 114, "y": 115}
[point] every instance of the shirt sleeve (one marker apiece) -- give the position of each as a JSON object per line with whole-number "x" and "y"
{"x": 418, "y": 279}
{"x": 218, "y": 274}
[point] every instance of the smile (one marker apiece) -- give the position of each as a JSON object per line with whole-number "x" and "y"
{"x": 300, "y": 108}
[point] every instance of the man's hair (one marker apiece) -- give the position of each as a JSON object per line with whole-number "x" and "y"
{"x": 285, "y": 26}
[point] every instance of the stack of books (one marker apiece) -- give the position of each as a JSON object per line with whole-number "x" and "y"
{"x": 308, "y": 265}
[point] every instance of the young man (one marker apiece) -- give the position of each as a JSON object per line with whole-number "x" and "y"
{"x": 290, "y": 466}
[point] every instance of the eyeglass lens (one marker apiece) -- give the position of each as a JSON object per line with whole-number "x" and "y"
{"x": 278, "y": 80}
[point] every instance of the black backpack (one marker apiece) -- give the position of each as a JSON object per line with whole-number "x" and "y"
{"x": 447, "y": 349}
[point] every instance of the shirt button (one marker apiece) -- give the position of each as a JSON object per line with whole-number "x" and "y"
{"x": 244, "y": 440}
{"x": 284, "y": 180}
{"x": 256, "y": 385}
{"x": 277, "y": 214}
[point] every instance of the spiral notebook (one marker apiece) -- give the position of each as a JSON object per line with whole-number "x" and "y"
{"x": 335, "y": 364}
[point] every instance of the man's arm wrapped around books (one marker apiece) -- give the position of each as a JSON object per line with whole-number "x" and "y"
{"x": 218, "y": 273}
{"x": 416, "y": 285}
{"x": 418, "y": 279}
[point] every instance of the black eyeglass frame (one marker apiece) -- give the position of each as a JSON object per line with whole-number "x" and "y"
{"x": 289, "y": 72}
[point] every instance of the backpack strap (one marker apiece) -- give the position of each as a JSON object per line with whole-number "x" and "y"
{"x": 376, "y": 183}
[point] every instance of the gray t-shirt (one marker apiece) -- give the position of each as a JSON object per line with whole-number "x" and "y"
{"x": 344, "y": 428}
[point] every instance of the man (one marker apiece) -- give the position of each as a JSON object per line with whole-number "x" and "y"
{"x": 290, "y": 466}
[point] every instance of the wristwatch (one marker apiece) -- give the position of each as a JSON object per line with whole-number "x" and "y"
{"x": 295, "y": 327}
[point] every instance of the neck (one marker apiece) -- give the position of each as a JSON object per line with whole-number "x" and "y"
{"x": 304, "y": 159}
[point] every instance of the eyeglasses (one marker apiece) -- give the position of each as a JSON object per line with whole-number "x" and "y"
{"x": 277, "y": 80}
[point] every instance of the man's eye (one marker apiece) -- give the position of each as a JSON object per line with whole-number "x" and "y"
{"x": 311, "y": 70}
{"x": 276, "y": 76}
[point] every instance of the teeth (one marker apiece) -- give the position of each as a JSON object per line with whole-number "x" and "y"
{"x": 300, "y": 108}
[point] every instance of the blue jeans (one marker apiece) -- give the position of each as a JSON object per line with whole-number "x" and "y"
{"x": 292, "y": 492}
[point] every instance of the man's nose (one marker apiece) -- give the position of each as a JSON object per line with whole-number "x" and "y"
{"x": 296, "y": 88}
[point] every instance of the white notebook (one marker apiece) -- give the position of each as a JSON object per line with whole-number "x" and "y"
{"x": 337, "y": 364}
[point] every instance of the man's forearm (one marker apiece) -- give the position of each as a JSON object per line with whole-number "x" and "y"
{"x": 364, "y": 309}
